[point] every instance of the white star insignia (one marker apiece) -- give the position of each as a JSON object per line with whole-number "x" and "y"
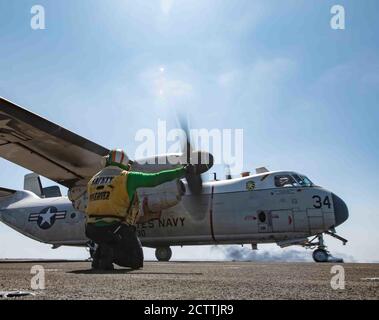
{"x": 46, "y": 217}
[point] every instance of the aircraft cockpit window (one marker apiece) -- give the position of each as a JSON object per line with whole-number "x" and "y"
{"x": 303, "y": 180}
{"x": 285, "y": 180}
{"x": 308, "y": 182}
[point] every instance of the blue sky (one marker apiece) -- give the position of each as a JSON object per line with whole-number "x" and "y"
{"x": 305, "y": 95}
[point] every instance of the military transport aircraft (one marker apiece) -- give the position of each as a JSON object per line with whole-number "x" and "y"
{"x": 282, "y": 207}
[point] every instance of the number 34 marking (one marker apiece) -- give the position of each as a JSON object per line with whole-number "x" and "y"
{"x": 318, "y": 202}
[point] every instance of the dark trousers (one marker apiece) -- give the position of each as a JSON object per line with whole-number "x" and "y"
{"x": 117, "y": 243}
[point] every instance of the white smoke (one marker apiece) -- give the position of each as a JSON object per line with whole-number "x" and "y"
{"x": 235, "y": 253}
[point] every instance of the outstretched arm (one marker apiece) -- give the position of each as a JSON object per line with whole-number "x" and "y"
{"x": 147, "y": 180}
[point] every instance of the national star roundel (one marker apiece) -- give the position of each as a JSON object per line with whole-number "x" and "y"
{"x": 46, "y": 217}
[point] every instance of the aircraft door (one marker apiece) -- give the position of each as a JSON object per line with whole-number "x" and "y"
{"x": 315, "y": 219}
{"x": 282, "y": 220}
{"x": 300, "y": 221}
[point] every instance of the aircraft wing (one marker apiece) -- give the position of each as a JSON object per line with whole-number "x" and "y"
{"x": 45, "y": 147}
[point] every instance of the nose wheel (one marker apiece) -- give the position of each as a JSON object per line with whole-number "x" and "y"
{"x": 163, "y": 253}
{"x": 321, "y": 254}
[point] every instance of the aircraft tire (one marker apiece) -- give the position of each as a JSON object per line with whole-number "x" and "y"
{"x": 320, "y": 255}
{"x": 163, "y": 253}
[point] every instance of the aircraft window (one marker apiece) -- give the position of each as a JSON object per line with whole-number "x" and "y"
{"x": 299, "y": 180}
{"x": 303, "y": 180}
{"x": 307, "y": 181}
{"x": 285, "y": 181}
{"x": 262, "y": 217}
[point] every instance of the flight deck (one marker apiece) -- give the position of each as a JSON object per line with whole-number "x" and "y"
{"x": 192, "y": 280}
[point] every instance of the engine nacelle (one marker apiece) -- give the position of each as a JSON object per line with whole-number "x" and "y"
{"x": 154, "y": 199}
{"x": 161, "y": 197}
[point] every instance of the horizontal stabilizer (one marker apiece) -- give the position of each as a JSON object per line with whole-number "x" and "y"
{"x": 6, "y": 192}
{"x": 52, "y": 192}
{"x": 32, "y": 182}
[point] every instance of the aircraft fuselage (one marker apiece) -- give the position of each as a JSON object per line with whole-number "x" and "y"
{"x": 237, "y": 211}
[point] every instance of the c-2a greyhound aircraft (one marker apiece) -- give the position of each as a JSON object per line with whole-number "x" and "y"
{"x": 282, "y": 207}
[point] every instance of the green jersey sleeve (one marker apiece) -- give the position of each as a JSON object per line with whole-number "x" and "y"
{"x": 148, "y": 180}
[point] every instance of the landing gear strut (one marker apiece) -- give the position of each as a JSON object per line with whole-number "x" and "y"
{"x": 163, "y": 253}
{"x": 91, "y": 248}
{"x": 321, "y": 254}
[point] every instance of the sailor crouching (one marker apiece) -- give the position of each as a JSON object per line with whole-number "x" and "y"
{"x": 112, "y": 210}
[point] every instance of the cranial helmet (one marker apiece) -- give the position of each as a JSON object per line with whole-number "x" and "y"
{"x": 116, "y": 157}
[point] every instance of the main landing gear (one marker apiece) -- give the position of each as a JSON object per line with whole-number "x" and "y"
{"x": 321, "y": 254}
{"x": 163, "y": 253}
{"x": 91, "y": 247}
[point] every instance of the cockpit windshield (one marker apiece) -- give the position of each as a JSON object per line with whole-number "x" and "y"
{"x": 285, "y": 180}
{"x": 293, "y": 180}
{"x": 303, "y": 180}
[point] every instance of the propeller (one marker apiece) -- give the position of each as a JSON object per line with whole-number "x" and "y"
{"x": 199, "y": 162}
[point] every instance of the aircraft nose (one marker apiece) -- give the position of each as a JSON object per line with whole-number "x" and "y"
{"x": 341, "y": 213}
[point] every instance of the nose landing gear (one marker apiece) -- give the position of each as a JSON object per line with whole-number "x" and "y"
{"x": 321, "y": 254}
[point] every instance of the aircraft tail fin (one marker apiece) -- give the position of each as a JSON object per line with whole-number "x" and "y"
{"x": 261, "y": 170}
{"x": 32, "y": 182}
